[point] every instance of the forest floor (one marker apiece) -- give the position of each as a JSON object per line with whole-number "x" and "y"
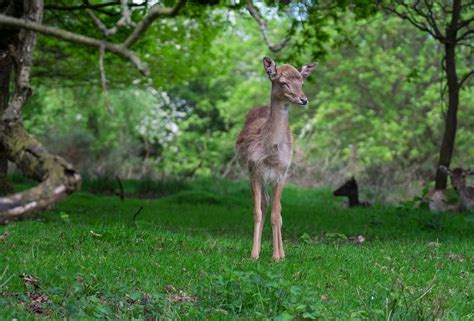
{"x": 186, "y": 255}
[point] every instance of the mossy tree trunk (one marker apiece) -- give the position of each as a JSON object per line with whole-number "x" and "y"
{"x": 57, "y": 178}
{"x": 6, "y": 65}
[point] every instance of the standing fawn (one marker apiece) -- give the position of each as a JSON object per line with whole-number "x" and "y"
{"x": 351, "y": 190}
{"x": 264, "y": 146}
{"x": 458, "y": 180}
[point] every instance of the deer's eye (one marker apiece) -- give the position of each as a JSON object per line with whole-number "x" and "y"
{"x": 286, "y": 86}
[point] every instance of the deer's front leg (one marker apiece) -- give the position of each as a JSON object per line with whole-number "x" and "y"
{"x": 278, "y": 252}
{"x": 257, "y": 217}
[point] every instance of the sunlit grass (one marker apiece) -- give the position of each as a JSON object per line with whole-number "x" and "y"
{"x": 100, "y": 257}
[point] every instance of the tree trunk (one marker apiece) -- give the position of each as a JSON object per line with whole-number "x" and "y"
{"x": 6, "y": 64}
{"x": 450, "y": 125}
{"x": 57, "y": 177}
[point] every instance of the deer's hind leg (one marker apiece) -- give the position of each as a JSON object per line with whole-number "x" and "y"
{"x": 260, "y": 203}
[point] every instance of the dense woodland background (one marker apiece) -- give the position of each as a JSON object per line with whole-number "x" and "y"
{"x": 395, "y": 80}
{"x": 377, "y": 101}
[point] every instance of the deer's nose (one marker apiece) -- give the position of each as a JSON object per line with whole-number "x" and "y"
{"x": 303, "y": 100}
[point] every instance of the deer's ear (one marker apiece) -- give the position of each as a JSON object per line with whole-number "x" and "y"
{"x": 306, "y": 70}
{"x": 470, "y": 171}
{"x": 270, "y": 67}
{"x": 445, "y": 170}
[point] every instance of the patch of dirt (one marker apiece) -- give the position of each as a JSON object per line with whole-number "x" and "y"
{"x": 37, "y": 300}
{"x": 29, "y": 280}
{"x": 178, "y": 296}
{"x": 456, "y": 257}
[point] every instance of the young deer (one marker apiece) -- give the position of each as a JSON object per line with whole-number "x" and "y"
{"x": 458, "y": 180}
{"x": 438, "y": 202}
{"x": 264, "y": 146}
{"x": 351, "y": 190}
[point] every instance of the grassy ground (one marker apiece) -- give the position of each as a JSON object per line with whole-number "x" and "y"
{"x": 186, "y": 256}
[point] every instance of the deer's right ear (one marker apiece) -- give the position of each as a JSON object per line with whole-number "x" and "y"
{"x": 445, "y": 170}
{"x": 270, "y": 67}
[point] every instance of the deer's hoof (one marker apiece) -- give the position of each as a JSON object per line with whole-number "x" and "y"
{"x": 277, "y": 258}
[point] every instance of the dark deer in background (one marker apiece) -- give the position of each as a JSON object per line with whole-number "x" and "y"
{"x": 458, "y": 180}
{"x": 351, "y": 190}
{"x": 264, "y": 146}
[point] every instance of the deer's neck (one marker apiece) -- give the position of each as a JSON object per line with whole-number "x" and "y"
{"x": 353, "y": 199}
{"x": 276, "y": 128}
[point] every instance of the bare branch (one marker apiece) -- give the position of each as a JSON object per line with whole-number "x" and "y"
{"x": 466, "y": 35}
{"x": 465, "y": 23}
{"x": 418, "y": 24}
{"x": 100, "y": 25}
{"x": 91, "y": 6}
{"x": 126, "y": 19}
{"x": 465, "y": 77}
{"x": 118, "y": 49}
{"x": 430, "y": 25}
{"x": 103, "y": 79}
{"x": 431, "y": 19}
{"x": 154, "y": 13}
{"x": 263, "y": 28}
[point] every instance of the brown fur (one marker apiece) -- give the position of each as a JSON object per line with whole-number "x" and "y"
{"x": 458, "y": 180}
{"x": 264, "y": 146}
{"x": 438, "y": 202}
{"x": 265, "y": 143}
{"x": 264, "y": 153}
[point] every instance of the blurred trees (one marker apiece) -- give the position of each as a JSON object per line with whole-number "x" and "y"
{"x": 380, "y": 93}
{"x": 452, "y": 25}
{"x": 376, "y": 102}
{"x": 20, "y": 22}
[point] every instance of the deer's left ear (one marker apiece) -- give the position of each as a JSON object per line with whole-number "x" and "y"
{"x": 270, "y": 67}
{"x": 470, "y": 171}
{"x": 306, "y": 70}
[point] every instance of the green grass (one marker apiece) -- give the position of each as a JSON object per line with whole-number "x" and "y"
{"x": 93, "y": 260}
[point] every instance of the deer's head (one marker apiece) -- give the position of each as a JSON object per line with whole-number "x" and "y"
{"x": 458, "y": 176}
{"x": 287, "y": 81}
{"x": 347, "y": 189}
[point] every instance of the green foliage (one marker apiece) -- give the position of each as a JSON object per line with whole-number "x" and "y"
{"x": 262, "y": 294}
{"x": 377, "y": 100}
{"x": 370, "y": 99}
